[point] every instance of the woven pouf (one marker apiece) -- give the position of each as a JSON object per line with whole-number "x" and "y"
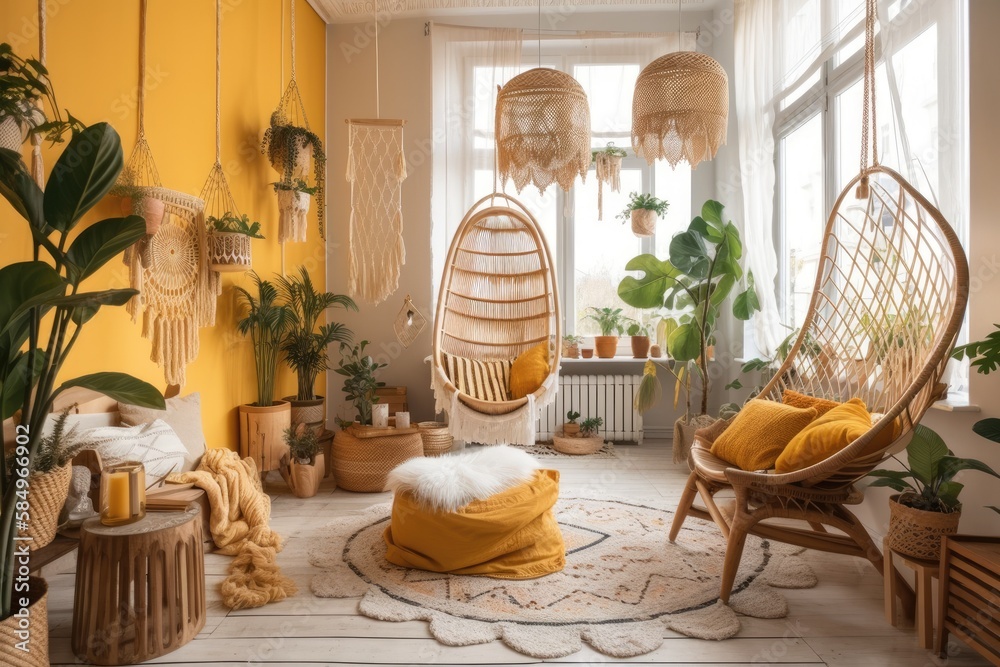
{"x": 437, "y": 438}
{"x": 362, "y": 464}
{"x": 577, "y": 446}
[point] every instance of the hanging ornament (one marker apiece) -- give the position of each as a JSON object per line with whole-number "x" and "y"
{"x": 608, "y": 165}
{"x": 169, "y": 267}
{"x": 409, "y": 323}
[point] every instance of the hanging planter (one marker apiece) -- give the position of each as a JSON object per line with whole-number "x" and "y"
{"x": 290, "y": 149}
{"x": 26, "y": 84}
{"x": 608, "y": 165}
{"x": 140, "y": 200}
{"x": 294, "y": 200}
{"x": 643, "y": 211}
{"x": 229, "y": 247}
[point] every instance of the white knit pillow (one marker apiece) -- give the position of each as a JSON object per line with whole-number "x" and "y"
{"x": 155, "y": 445}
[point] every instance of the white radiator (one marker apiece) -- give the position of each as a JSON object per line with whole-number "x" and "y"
{"x": 610, "y": 397}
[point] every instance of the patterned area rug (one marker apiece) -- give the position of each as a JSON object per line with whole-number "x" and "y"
{"x": 544, "y": 450}
{"x": 624, "y": 584}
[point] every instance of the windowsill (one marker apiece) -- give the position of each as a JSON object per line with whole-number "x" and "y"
{"x": 956, "y": 402}
{"x": 613, "y": 360}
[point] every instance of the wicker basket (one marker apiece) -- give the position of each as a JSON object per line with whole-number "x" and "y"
{"x": 229, "y": 251}
{"x": 437, "y": 438}
{"x": 46, "y": 496}
{"x": 918, "y": 533}
{"x": 10, "y": 630}
{"x": 577, "y": 446}
{"x": 362, "y": 464}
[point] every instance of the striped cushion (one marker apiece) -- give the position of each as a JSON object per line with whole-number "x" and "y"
{"x": 482, "y": 380}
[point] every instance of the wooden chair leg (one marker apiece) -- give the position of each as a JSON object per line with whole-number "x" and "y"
{"x": 734, "y": 553}
{"x": 713, "y": 509}
{"x": 687, "y": 498}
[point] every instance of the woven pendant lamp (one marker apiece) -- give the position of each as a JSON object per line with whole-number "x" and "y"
{"x": 542, "y": 130}
{"x": 680, "y": 109}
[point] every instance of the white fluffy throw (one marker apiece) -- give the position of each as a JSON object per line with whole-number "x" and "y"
{"x": 447, "y": 483}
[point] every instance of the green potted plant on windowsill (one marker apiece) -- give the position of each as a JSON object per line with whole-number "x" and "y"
{"x": 229, "y": 237}
{"x": 306, "y": 341}
{"x": 640, "y": 340}
{"x": 643, "y": 210}
{"x": 262, "y": 423}
{"x": 701, "y": 272}
{"x": 571, "y": 346}
{"x": 42, "y": 313}
{"x": 612, "y": 323}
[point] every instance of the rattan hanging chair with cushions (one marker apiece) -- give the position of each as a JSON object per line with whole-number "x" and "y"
{"x": 888, "y": 301}
{"x": 498, "y": 299}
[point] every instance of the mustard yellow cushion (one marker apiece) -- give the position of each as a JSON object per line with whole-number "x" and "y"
{"x": 529, "y": 371}
{"x": 510, "y": 535}
{"x": 759, "y": 433}
{"x": 797, "y": 400}
{"x": 826, "y": 436}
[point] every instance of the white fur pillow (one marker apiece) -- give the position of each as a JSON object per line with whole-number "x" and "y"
{"x": 155, "y": 445}
{"x": 447, "y": 483}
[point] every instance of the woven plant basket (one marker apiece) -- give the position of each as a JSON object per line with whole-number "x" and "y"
{"x": 229, "y": 251}
{"x": 46, "y": 496}
{"x": 437, "y": 438}
{"x": 918, "y": 533}
{"x": 362, "y": 464}
{"x": 643, "y": 222}
{"x": 577, "y": 446}
{"x": 38, "y": 656}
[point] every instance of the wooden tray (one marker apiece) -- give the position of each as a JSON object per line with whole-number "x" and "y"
{"x": 372, "y": 432}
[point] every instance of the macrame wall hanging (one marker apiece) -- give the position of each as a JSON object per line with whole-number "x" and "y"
{"x": 608, "y": 165}
{"x": 376, "y": 168}
{"x": 409, "y": 323}
{"x": 169, "y": 267}
{"x": 290, "y": 146}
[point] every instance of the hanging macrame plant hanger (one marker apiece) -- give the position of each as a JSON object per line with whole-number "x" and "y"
{"x": 376, "y": 169}
{"x": 608, "y": 165}
{"x": 169, "y": 268}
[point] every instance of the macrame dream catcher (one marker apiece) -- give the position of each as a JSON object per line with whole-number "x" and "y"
{"x": 169, "y": 267}
{"x": 409, "y": 323}
{"x": 376, "y": 168}
{"x": 608, "y": 165}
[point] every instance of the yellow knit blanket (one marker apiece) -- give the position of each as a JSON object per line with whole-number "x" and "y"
{"x": 241, "y": 512}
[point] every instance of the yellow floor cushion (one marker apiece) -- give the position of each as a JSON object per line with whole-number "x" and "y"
{"x": 511, "y": 535}
{"x": 529, "y": 371}
{"x": 829, "y": 434}
{"x": 797, "y": 400}
{"x": 759, "y": 433}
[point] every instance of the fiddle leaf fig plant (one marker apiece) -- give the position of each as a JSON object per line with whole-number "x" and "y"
{"x": 701, "y": 272}
{"x": 359, "y": 387}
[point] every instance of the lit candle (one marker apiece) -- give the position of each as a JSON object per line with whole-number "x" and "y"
{"x": 119, "y": 501}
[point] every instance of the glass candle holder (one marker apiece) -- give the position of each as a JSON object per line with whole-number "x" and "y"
{"x": 380, "y": 415}
{"x": 123, "y": 494}
{"x": 402, "y": 420}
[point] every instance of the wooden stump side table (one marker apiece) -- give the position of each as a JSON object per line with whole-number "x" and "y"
{"x": 140, "y": 588}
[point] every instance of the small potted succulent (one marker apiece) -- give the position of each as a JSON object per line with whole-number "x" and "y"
{"x": 643, "y": 210}
{"x": 304, "y": 466}
{"x": 571, "y": 429}
{"x": 589, "y": 427}
{"x": 25, "y": 82}
{"x": 571, "y": 346}
{"x": 640, "y": 340}
{"x": 229, "y": 246}
{"x": 294, "y": 198}
{"x": 290, "y": 148}
{"x": 612, "y": 324}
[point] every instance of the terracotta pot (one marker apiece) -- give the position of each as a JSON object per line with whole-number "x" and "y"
{"x": 150, "y": 208}
{"x": 312, "y": 413}
{"x": 571, "y": 351}
{"x": 571, "y": 430}
{"x": 38, "y": 653}
{"x": 640, "y": 347}
{"x": 606, "y": 346}
{"x": 587, "y": 352}
{"x": 918, "y": 533}
{"x": 304, "y": 478}
{"x": 262, "y": 433}
{"x": 643, "y": 222}
{"x": 655, "y": 352}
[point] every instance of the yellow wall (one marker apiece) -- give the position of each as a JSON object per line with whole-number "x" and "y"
{"x": 93, "y": 61}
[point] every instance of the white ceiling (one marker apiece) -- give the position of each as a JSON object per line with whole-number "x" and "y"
{"x": 350, "y": 11}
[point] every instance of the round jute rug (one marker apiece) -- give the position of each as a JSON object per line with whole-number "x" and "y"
{"x": 623, "y": 585}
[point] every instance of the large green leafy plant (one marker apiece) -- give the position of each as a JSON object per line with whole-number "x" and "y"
{"x": 43, "y": 308}
{"x": 700, "y": 274}
{"x": 304, "y": 346}
{"x": 927, "y": 483}
{"x": 266, "y": 321}
{"x": 360, "y": 386}
{"x": 24, "y": 81}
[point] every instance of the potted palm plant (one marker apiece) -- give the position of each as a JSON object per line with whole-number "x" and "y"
{"x": 263, "y": 422}
{"x": 612, "y": 323}
{"x": 42, "y": 311}
{"x": 303, "y": 466}
{"x": 702, "y": 271}
{"x": 23, "y": 83}
{"x": 290, "y": 148}
{"x": 305, "y": 346}
{"x": 229, "y": 237}
{"x": 927, "y": 506}
{"x": 643, "y": 210}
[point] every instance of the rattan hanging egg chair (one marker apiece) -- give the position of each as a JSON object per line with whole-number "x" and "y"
{"x": 498, "y": 298}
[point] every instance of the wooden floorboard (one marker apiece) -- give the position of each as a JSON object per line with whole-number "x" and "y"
{"x": 839, "y": 623}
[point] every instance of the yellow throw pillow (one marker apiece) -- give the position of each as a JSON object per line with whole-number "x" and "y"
{"x": 826, "y": 436}
{"x": 759, "y": 433}
{"x": 529, "y": 371}
{"x": 797, "y": 400}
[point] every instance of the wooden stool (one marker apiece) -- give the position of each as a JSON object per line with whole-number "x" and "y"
{"x": 140, "y": 588}
{"x": 925, "y": 571}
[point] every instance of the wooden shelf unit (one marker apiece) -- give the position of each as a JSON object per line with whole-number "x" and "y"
{"x": 970, "y": 594}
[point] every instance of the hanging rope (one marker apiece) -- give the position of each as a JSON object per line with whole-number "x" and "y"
{"x": 218, "y": 82}
{"x": 37, "y": 164}
{"x": 869, "y": 118}
{"x": 378, "y": 113}
{"x": 140, "y": 170}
